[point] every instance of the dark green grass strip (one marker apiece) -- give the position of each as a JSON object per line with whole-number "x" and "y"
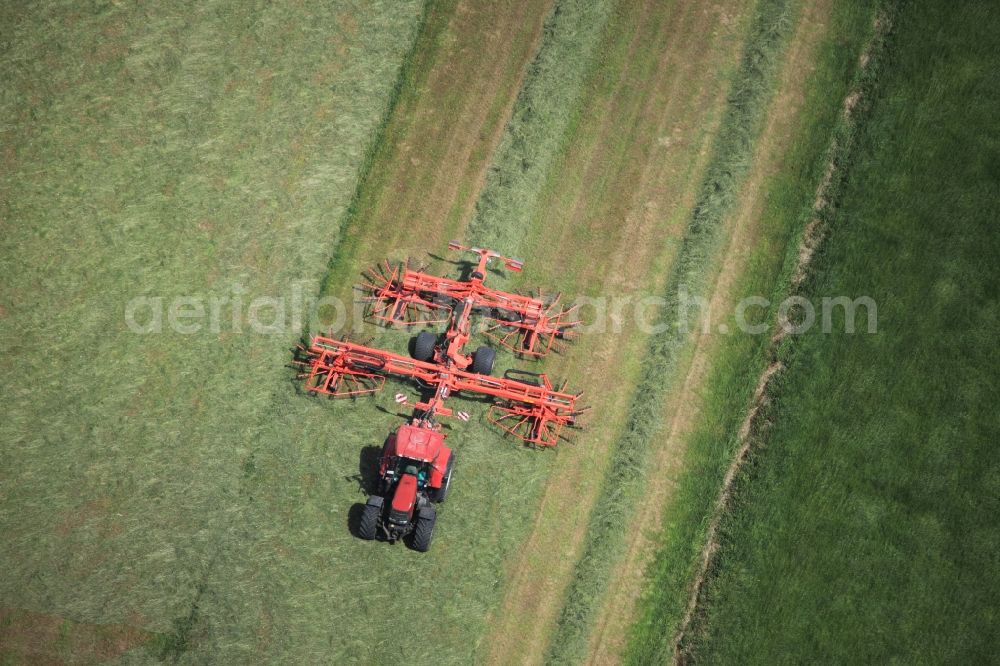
{"x": 820, "y": 138}
{"x": 752, "y": 89}
{"x": 866, "y": 530}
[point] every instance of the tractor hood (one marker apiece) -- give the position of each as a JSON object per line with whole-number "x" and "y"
{"x": 404, "y": 499}
{"x": 417, "y": 443}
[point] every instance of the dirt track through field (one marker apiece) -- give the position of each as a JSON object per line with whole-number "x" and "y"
{"x": 683, "y": 408}
{"x": 631, "y": 175}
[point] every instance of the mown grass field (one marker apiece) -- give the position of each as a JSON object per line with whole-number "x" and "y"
{"x": 177, "y": 497}
{"x": 163, "y": 150}
{"x": 206, "y": 512}
{"x": 865, "y": 528}
{"x": 213, "y": 524}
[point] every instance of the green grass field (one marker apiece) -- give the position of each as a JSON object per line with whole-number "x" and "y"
{"x": 865, "y": 529}
{"x": 176, "y": 496}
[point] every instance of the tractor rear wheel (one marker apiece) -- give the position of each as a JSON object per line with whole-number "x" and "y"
{"x": 442, "y": 492}
{"x": 368, "y": 526}
{"x": 482, "y": 361}
{"x": 424, "y": 532}
{"x": 423, "y": 346}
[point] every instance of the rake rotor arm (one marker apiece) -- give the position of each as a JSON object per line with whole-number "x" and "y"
{"x": 485, "y": 255}
{"x": 401, "y": 295}
{"x": 402, "y": 285}
{"x": 398, "y": 295}
{"x": 527, "y": 325}
{"x": 534, "y": 412}
{"x": 332, "y": 363}
{"x": 524, "y": 324}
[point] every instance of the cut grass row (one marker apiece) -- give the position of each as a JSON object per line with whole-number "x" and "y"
{"x": 790, "y": 195}
{"x": 865, "y": 528}
{"x": 537, "y": 131}
{"x": 426, "y": 172}
{"x": 372, "y": 175}
{"x": 634, "y": 154}
{"x": 692, "y": 271}
{"x": 746, "y": 231}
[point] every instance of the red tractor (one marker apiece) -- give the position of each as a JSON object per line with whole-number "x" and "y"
{"x": 415, "y": 467}
{"x": 414, "y": 474}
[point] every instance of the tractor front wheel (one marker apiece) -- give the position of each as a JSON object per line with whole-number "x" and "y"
{"x": 424, "y": 531}
{"x": 368, "y": 526}
{"x": 482, "y": 361}
{"x": 423, "y": 346}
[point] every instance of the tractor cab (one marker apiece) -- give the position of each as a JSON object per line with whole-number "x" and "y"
{"x": 417, "y": 442}
{"x": 419, "y": 450}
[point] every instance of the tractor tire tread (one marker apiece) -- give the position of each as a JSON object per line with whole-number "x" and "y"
{"x": 368, "y": 526}
{"x": 423, "y": 533}
{"x": 442, "y": 492}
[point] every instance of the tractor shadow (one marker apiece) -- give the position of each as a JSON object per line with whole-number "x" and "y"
{"x": 367, "y": 476}
{"x": 367, "y": 479}
{"x": 465, "y": 266}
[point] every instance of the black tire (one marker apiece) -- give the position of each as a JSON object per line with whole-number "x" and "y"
{"x": 368, "y": 527}
{"x": 482, "y": 361}
{"x": 442, "y": 492}
{"x": 423, "y": 346}
{"x": 423, "y": 533}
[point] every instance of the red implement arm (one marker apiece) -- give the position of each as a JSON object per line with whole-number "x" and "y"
{"x": 524, "y": 324}
{"x": 534, "y": 412}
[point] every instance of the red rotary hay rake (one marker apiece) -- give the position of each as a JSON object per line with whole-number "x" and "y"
{"x": 415, "y": 467}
